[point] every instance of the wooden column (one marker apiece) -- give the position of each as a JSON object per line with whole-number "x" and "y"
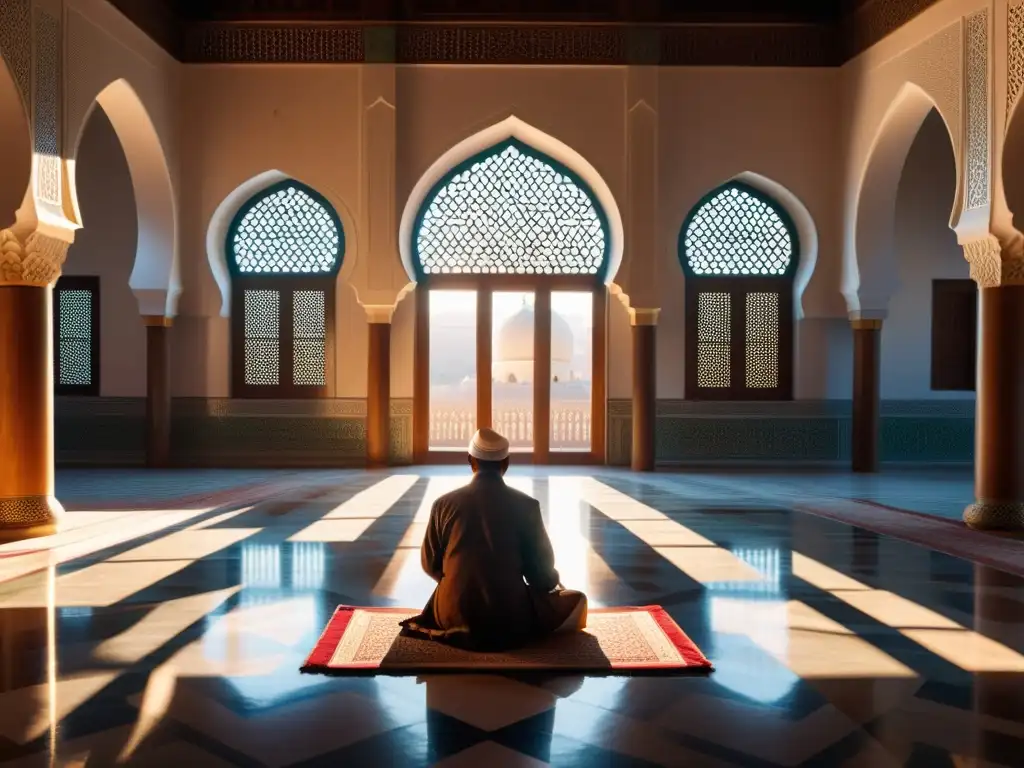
{"x": 644, "y": 388}
{"x": 866, "y": 345}
{"x": 542, "y": 377}
{"x": 158, "y": 391}
{"x": 999, "y": 423}
{"x": 378, "y": 395}
{"x": 28, "y": 506}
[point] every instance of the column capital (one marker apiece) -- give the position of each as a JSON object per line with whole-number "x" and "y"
{"x": 866, "y": 323}
{"x": 379, "y": 314}
{"x": 157, "y": 321}
{"x": 643, "y": 316}
{"x": 34, "y": 259}
{"x": 994, "y": 264}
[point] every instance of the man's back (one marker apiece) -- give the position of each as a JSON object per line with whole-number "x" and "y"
{"x": 481, "y": 542}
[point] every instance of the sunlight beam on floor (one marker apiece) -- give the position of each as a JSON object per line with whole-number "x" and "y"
{"x": 944, "y": 637}
{"x": 699, "y": 558}
{"x": 349, "y": 520}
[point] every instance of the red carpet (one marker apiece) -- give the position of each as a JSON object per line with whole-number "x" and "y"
{"x": 616, "y": 641}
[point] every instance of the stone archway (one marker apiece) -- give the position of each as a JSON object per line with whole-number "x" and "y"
{"x": 155, "y": 278}
{"x": 870, "y": 267}
{"x": 869, "y": 276}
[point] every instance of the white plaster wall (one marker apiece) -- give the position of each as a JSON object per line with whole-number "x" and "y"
{"x": 105, "y": 247}
{"x": 926, "y": 250}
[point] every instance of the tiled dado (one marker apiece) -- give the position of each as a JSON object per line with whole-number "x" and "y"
{"x": 800, "y": 431}
{"x": 226, "y": 432}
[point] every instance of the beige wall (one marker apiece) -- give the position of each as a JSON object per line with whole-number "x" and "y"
{"x": 105, "y": 246}
{"x": 926, "y": 250}
{"x": 239, "y": 122}
{"x": 779, "y": 124}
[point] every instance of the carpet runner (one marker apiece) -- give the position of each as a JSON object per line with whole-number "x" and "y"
{"x": 616, "y": 641}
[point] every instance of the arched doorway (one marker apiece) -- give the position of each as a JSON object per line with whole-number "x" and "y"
{"x": 511, "y": 251}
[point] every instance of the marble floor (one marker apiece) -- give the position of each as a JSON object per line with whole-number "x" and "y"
{"x": 165, "y": 626}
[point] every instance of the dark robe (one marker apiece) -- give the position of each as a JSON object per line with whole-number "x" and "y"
{"x": 488, "y": 551}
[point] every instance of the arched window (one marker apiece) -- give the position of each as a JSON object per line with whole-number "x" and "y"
{"x": 739, "y": 250}
{"x": 285, "y": 247}
{"x": 511, "y": 211}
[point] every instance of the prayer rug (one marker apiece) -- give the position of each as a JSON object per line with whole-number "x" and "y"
{"x": 616, "y": 641}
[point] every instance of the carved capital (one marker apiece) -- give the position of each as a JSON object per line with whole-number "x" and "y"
{"x": 992, "y": 264}
{"x": 35, "y": 260}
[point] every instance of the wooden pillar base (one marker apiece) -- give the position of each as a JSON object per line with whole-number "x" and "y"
{"x": 378, "y": 399}
{"x": 865, "y": 426}
{"x": 27, "y": 504}
{"x": 158, "y": 392}
{"x": 644, "y": 396}
{"x": 999, "y": 424}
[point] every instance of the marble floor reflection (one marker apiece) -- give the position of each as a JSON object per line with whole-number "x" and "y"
{"x": 169, "y": 637}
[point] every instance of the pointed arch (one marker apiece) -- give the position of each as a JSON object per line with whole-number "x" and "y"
{"x": 870, "y": 273}
{"x": 513, "y": 132}
{"x": 220, "y": 223}
{"x": 741, "y": 250}
{"x": 155, "y": 278}
{"x": 15, "y": 149}
{"x": 276, "y": 246}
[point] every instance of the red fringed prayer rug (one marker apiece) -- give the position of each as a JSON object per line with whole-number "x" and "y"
{"x": 616, "y": 641}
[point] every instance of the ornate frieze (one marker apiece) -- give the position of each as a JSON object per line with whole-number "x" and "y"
{"x": 35, "y": 260}
{"x": 977, "y": 110}
{"x": 275, "y": 44}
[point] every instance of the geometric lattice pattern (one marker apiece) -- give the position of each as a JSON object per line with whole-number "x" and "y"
{"x": 75, "y": 337}
{"x": 762, "y": 339}
{"x": 262, "y": 337}
{"x": 714, "y": 339}
{"x": 309, "y": 337}
{"x": 286, "y": 232}
{"x": 511, "y": 213}
{"x": 736, "y": 233}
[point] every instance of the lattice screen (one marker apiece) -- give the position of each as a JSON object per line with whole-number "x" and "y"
{"x": 309, "y": 338}
{"x": 511, "y": 213}
{"x": 762, "y": 339}
{"x": 736, "y": 233}
{"x": 262, "y": 337}
{"x": 714, "y": 339}
{"x": 75, "y": 337}
{"x": 287, "y": 231}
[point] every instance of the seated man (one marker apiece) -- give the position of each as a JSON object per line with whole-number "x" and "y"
{"x": 488, "y": 551}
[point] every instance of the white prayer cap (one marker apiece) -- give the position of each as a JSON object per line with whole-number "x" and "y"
{"x": 488, "y": 445}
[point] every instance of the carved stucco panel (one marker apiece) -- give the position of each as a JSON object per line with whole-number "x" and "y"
{"x": 47, "y": 106}
{"x": 35, "y": 260}
{"x": 1014, "y": 54}
{"x": 977, "y": 168}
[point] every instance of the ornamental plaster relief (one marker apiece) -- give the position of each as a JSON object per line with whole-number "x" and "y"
{"x": 994, "y": 265}
{"x": 35, "y": 260}
{"x": 47, "y": 102}
{"x": 977, "y": 170}
{"x": 1014, "y": 55}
